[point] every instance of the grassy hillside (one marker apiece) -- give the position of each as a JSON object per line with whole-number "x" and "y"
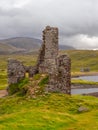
{"x": 24, "y": 45}
{"x": 66, "y": 47}
{"x": 83, "y": 58}
{"x": 79, "y": 60}
{"x": 23, "y": 42}
{"x": 4, "y": 49}
{"x": 51, "y": 112}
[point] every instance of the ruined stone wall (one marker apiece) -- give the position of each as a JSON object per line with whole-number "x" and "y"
{"x": 16, "y": 71}
{"x": 40, "y": 61}
{"x": 49, "y": 49}
{"x": 64, "y": 73}
{"x": 50, "y": 38}
{"x": 60, "y": 77}
{"x": 31, "y": 70}
{"x": 58, "y": 67}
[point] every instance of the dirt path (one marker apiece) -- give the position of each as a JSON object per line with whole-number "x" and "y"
{"x": 3, "y": 93}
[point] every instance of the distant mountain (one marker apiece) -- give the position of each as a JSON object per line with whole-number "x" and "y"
{"x": 24, "y": 45}
{"x": 5, "y": 49}
{"x": 66, "y": 47}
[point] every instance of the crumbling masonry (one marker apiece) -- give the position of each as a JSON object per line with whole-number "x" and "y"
{"x": 16, "y": 71}
{"x": 57, "y": 66}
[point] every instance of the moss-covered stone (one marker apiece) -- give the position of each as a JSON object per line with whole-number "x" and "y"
{"x": 18, "y": 87}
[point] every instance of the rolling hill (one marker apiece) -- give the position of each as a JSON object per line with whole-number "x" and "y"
{"x": 24, "y": 45}
{"x": 6, "y": 48}
{"x": 66, "y": 47}
{"x": 23, "y": 42}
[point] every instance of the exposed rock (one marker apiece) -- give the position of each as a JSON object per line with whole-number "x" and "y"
{"x": 83, "y": 109}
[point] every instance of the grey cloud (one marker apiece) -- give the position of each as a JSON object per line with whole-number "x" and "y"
{"x": 73, "y": 18}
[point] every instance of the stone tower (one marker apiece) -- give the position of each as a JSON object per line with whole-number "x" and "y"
{"x": 49, "y": 50}
{"x": 57, "y": 66}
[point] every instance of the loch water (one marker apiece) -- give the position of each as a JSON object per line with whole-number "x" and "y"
{"x": 86, "y": 90}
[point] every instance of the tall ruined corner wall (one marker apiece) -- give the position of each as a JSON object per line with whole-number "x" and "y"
{"x": 60, "y": 79}
{"x": 16, "y": 71}
{"x": 49, "y": 49}
{"x": 40, "y": 61}
{"x": 64, "y": 73}
{"x": 57, "y": 66}
{"x": 50, "y": 39}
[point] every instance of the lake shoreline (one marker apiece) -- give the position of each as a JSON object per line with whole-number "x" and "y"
{"x": 83, "y": 86}
{"x": 78, "y": 74}
{"x": 95, "y": 94}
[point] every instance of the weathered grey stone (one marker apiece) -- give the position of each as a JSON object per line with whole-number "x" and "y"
{"x": 31, "y": 70}
{"x": 58, "y": 67}
{"x": 64, "y": 73}
{"x": 49, "y": 49}
{"x": 16, "y": 71}
{"x": 60, "y": 76}
{"x": 83, "y": 109}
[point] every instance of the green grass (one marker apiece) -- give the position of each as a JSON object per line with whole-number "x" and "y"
{"x": 3, "y": 80}
{"x": 44, "y": 81}
{"x": 37, "y": 76}
{"x": 26, "y": 86}
{"x": 18, "y": 87}
{"x": 83, "y": 58}
{"x": 80, "y": 81}
{"x": 51, "y": 112}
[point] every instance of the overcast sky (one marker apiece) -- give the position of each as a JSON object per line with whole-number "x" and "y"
{"x": 77, "y": 20}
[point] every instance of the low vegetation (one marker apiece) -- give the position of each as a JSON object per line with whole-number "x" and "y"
{"x": 51, "y": 112}
{"x": 18, "y": 87}
{"x": 83, "y": 59}
{"x": 30, "y": 87}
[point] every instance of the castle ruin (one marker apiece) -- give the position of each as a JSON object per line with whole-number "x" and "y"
{"x": 49, "y": 62}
